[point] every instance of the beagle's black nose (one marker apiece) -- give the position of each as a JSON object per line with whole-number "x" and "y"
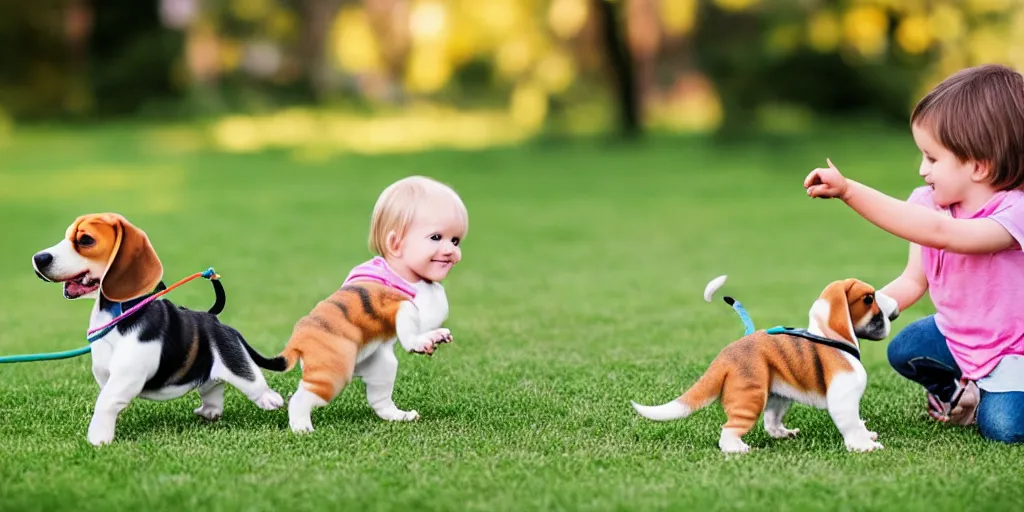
{"x": 42, "y": 260}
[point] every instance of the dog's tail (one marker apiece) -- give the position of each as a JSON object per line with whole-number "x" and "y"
{"x": 219, "y": 300}
{"x": 706, "y": 390}
{"x": 709, "y": 292}
{"x": 283, "y": 362}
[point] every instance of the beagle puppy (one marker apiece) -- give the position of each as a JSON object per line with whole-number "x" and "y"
{"x": 161, "y": 351}
{"x": 764, "y": 372}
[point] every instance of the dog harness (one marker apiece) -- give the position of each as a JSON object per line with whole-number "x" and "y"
{"x": 748, "y": 327}
{"x": 116, "y": 309}
{"x": 377, "y": 269}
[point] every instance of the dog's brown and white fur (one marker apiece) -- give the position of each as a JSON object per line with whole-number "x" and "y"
{"x": 161, "y": 351}
{"x": 764, "y": 372}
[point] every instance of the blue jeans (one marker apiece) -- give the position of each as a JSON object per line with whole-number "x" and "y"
{"x": 919, "y": 353}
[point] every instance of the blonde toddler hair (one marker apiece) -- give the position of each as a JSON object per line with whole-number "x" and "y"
{"x": 398, "y": 203}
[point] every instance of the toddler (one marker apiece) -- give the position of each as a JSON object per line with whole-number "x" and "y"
{"x": 416, "y": 229}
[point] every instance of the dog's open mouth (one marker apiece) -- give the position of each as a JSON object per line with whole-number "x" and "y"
{"x": 82, "y": 284}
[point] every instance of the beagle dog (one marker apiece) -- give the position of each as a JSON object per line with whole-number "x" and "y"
{"x": 159, "y": 352}
{"x": 819, "y": 367}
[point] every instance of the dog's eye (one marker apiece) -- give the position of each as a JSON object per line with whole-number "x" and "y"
{"x": 86, "y": 241}
{"x": 868, "y": 299}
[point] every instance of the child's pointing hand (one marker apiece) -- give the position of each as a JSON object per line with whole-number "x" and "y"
{"x": 826, "y": 182}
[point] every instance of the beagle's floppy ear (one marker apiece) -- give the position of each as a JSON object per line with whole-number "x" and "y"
{"x": 831, "y": 312}
{"x": 134, "y": 268}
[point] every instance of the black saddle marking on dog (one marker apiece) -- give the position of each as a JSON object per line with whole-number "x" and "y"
{"x": 364, "y": 297}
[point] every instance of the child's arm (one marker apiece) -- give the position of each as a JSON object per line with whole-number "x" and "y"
{"x": 911, "y": 222}
{"x": 910, "y": 286}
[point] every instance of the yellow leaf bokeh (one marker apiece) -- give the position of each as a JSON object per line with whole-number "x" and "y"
{"x": 735, "y": 5}
{"x": 823, "y": 31}
{"x": 948, "y": 23}
{"x": 514, "y": 57}
{"x": 555, "y": 71}
{"x": 864, "y": 29}
{"x": 567, "y": 17}
{"x": 988, "y": 6}
{"x": 355, "y": 44}
{"x": 428, "y": 21}
{"x": 678, "y": 16}
{"x": 529, "y": 105}
{"x": 914, "y": 34}
{"x": 987, "y": 46}
{"x": 428, "y": 69}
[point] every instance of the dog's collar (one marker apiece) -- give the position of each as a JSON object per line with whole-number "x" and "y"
{"x": 803, "y": 333}
{"x": 116, "y": 309}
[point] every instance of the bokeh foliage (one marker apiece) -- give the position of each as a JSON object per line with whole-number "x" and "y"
{"x": 699, "y": 65}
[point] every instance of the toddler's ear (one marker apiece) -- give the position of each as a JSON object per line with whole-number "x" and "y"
{"x": 394, "y": 244}
{"x": 981, "y": 171}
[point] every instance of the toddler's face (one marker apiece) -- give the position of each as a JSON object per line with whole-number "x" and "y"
{"x": 430, "y": 247}
{"x": 942, "y": 170}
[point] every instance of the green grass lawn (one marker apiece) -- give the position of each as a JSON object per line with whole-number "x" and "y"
{"x": 580, "y": 289}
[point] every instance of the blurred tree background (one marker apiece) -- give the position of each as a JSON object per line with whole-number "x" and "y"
{"x": 490, "y": 69}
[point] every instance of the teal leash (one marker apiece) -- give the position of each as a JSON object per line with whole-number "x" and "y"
{"x": 49, "y": 356}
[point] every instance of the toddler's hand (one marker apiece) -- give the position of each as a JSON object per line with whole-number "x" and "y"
{"x": 825, "y": 182}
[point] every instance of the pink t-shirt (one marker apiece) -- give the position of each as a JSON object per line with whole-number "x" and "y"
{"x": 979, "y": 297}
{"x": 378, "y": 270}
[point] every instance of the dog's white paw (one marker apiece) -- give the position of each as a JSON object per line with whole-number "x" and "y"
{"x": 269, "y": 400}
{"x": 301, "y": 426}
{"x": 100, "y": 436}
{"x": 863, "y": 443}
{"x": 782, "y": 432}
{"x": 873, "y": 435}
{"x": 732, "y": 444}
{"x": 398, "y": 415}
{"x": 209, "y": 412}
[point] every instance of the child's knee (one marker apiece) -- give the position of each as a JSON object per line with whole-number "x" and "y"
{"x": 1002, "y": 431}
{"x": 900, "y": 351}
{"x": 911, "y": 342}
{"x": 1001, "y": 419}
